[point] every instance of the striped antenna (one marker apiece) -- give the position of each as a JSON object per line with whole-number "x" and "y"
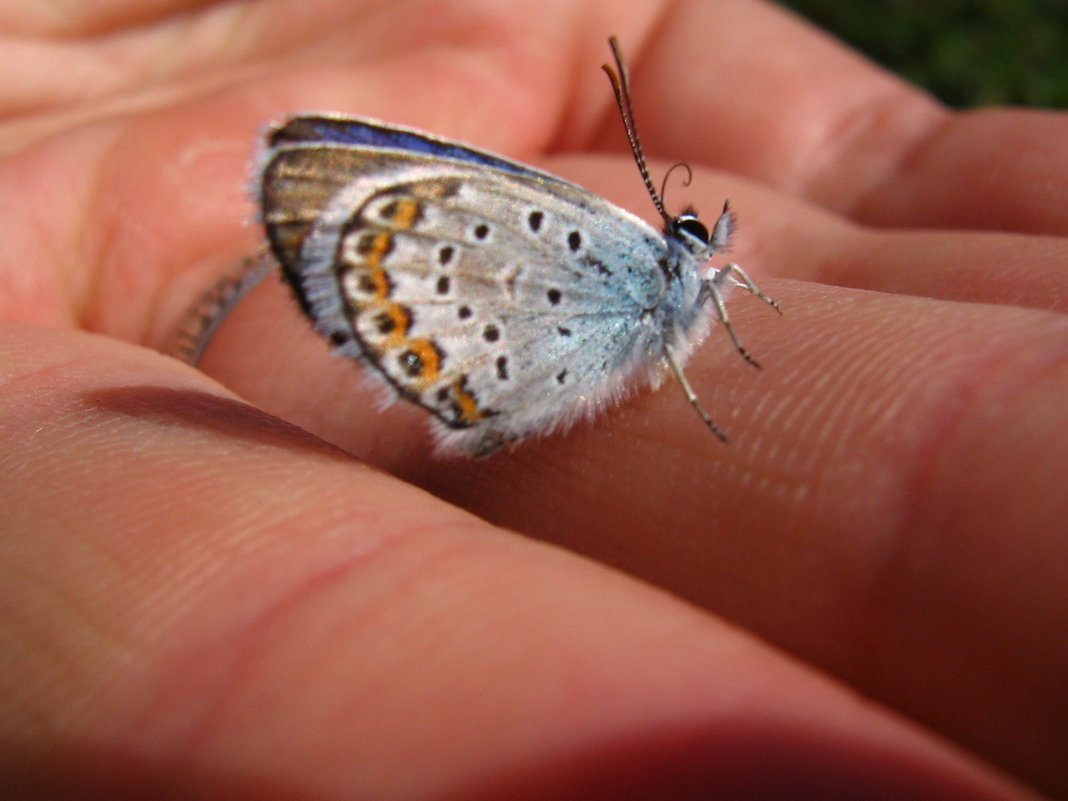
{"x": 620, "y": 79}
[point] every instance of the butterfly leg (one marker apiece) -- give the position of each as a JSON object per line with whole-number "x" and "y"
{"x": 712, "y": 285}
{"x": 740, "y": 278}
{"x": 691, "y": 396}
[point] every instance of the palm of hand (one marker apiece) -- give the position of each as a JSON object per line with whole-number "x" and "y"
{"x": 887, "y": 511}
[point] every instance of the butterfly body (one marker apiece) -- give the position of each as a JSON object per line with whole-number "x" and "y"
{"x": 503, "y": 300}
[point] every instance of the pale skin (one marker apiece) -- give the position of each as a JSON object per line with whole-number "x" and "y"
{"x": 862, "y": 590}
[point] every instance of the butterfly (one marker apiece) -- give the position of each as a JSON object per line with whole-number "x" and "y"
{"x": 502, "y": 299}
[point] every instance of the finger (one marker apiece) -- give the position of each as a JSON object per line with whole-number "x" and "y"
{"x": 783, "y": 236}
{"x": 997, "y": 169}
{"x": 829, "y": 464}
{"x": 884, "y": 507}
{"x": 748, "y": 87}
{"x": 212, "y": 603}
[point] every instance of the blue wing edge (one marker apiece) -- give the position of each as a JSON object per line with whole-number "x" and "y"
{"x": 337, "y": 129}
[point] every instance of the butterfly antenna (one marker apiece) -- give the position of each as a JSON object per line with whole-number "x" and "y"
{"x": 195, "y": 331}
{"x": 671, "y": 169}
{"x": 621, "y": 87}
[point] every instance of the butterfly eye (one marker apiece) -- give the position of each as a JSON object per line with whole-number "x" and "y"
{"x": 689, "y": 224}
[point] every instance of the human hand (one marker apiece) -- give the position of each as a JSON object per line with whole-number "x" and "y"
{"x": 201, "y": 599}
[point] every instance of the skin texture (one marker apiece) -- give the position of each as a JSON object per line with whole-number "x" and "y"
{"x": 861, "y": 596}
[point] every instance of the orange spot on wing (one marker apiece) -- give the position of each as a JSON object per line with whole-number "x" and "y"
{"x": 465, "y": 402}
{"x": 402, "y": 321}
{"x": 380, "y": 245}
{"x": 428, "y": 357}
{"x": 402, "y": 213}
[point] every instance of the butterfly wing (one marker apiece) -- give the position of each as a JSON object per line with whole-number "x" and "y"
{"x": 501, "y": 299}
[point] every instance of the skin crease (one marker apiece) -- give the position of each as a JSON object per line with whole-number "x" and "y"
{"x": 860, "y": 596}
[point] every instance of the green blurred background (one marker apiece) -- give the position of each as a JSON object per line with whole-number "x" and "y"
{"x": 965, "y": 52}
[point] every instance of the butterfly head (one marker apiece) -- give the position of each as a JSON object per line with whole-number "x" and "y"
{"x": 688, "y": 229}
